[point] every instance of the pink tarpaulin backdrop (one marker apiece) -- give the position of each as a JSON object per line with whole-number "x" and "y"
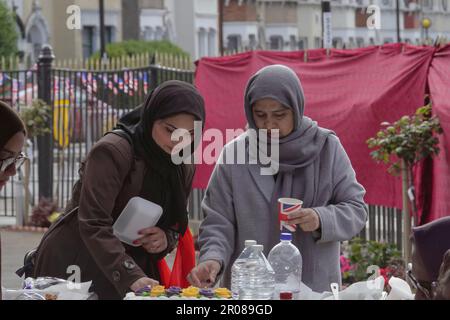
{"x": 439, "y": 83}
{"x": 349, "y": 91}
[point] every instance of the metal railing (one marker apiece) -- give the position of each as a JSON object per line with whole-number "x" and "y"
{"x": 85, "y": 104}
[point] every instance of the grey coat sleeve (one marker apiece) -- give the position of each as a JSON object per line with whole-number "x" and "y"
{"x": 217, "y": 231}
{"x": 346, "y": 214}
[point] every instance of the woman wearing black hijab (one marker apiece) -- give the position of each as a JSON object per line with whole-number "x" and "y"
{"x": 133, "y": 160}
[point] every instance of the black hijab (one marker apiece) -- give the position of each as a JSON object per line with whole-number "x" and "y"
{"x": 164, "y": 182}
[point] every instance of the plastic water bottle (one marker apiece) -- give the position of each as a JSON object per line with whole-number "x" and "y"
{"x": 286, "y": 262}
{"x": 258, "y": 276}
{"x": 238, "y": 268}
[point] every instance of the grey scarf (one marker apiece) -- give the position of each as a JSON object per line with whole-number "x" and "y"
{"x": 300, "y": 148}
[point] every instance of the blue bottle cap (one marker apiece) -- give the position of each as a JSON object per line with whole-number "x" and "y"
{"x": 286, "y": 236}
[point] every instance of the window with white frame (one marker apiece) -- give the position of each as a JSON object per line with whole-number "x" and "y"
{"x": 234, "y": 42}
{"x": 109, "y": 34}
{"x": 88, "y": 41}
{"x": 317, "y": 42}
{"x": 202, "y": 42}
{"x": 360, "y": 42}
{"x": 159, "y": 34}
{"x": 337, "y": 42}
{"x": 276, "y": 43}
{"x": 252, "y": 43}
{"x": 292, "y": 43}
{"x": 148, "y": 33}
{"x": 211, "y": 42}
{"x": 303, "y": 43}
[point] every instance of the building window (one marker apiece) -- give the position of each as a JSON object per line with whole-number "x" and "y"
{"x": 109, "y": 34}
{"x": 303, "y": 43}
{"x": 234, "y": 42}
{"x": 276, "y": 43}
{"x": 159, "y": 35}
{"x": 351, "y": 42}
{"x": 411, "y": 21}
{"x": 360, "y": 42}
{"x": 148, "y": 34}
{"x": 317, "y": 42}
{"x": 88, "y": 41}
{"x": 427, "y": 4}
{"x": 361, "y": 18}
{"x": 212, "y": 42}
{"x": 337, "y": 42}
{"x": 292, "y": 43}
{"x": 252, "y": 42}
{"x": 202, "y": 42}
{"x": 371, "y": 41}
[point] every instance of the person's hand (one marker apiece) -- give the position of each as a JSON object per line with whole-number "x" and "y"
{"x": 204, "y": 274}
{"x": 306, "y": 218}
{"x": 142, "y": 283}
{"x": 154, "y": 240}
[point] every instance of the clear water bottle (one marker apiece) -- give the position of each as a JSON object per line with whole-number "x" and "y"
{"x": 286, "y": 262}
{"x": 258, "y": 276}
{"x": 238, "y": 269}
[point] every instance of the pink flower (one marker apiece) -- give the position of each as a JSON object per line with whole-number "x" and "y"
{"x": 345, "y": 264}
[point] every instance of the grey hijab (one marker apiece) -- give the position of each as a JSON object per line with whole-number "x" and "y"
{"x": 300, "y": 148}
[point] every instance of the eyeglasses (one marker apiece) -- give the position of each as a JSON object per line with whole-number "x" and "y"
{"x": 16, "y": 161}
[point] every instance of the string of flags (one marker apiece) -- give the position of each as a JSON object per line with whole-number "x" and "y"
{"x": 127, "y": 82}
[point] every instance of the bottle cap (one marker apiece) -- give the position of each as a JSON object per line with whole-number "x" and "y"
{"x": 285, "y": 295}
{"x": 286, "y": 236}
{"x": 259, "y": 247}
{"x": 249, "y": 243}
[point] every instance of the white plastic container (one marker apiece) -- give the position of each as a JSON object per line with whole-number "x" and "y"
{"x": 138, "y": 214}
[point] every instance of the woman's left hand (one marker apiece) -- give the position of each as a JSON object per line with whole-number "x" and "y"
{"x": 306, "y": 218}
{"x": 154, "y": 240}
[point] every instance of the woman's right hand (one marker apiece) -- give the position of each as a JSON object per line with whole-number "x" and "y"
{"x": 142, "y": 283}
{"x": 204, "y": 274}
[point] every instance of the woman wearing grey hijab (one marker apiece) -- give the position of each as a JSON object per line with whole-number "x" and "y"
{"x": 241, "y": 203}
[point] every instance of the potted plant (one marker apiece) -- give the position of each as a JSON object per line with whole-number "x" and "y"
{"x": 45, "y": 213}
{"x": 403, "y": 144}
{"x": 361, "y": 258}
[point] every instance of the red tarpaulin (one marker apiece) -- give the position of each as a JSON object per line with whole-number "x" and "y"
{"x": 439, "y": 84}
{"x": 350, "y": 92}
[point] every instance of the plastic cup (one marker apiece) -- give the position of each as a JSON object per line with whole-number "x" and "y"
{"x": 285, "y": 207}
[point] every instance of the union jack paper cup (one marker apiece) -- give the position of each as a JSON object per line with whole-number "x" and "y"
{"x": 286, "y": 206}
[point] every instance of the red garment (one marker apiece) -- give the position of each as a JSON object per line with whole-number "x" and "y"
{"x": 183, "y": 264}
{"x": 350, "y": 92}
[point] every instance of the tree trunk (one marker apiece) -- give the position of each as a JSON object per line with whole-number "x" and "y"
{"x": 406, "y": 214}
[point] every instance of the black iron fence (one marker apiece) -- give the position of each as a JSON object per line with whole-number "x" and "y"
{"x": 85, "y": 103}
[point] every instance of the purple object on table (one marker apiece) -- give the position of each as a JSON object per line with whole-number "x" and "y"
{"x": 173, "y": 291}
{"x": 209, "y": 293}
{"x": 145, "y": 289}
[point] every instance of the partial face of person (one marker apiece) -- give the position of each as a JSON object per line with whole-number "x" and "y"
{"x": 270, "y": 114}
{"x": 164, "y": 128}
{"x": 10, "y": 155}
